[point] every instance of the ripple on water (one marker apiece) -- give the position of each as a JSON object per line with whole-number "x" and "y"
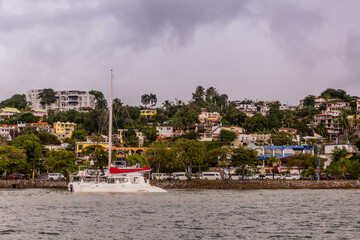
{"x": 205, "y": 214}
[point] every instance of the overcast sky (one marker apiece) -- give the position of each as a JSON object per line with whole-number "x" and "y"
{"x": 255, "y": 49}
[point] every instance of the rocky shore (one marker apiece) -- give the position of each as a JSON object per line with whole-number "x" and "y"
{"x": 221, "y": 184}
{"x": 256, "y": 184}
{"x": 32, "y": 184}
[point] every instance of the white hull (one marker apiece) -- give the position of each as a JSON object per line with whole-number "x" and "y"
{"x": 103, "y": 187}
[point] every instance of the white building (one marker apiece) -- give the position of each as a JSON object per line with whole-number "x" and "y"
{"x": 65, "y": 100}
{"x": 330, "y": 148}
{"x": 164, "y": 131}
{"x": 7, "y": 132}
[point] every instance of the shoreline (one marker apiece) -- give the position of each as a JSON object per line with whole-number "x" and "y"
{"x": 206, "y": 184}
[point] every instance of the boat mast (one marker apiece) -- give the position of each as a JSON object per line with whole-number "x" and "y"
{"x": 110, "y": 120}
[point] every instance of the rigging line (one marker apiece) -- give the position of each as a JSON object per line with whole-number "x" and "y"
{"x": 129, "y": 117}
{"x": 101, "y": 130}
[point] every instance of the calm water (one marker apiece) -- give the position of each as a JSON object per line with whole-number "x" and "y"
{"x": 207, "y": 214}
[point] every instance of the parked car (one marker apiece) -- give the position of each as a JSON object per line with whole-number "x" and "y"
{"x": 332, "y": 177}
{"x": 291, "y": 177}
{"x": 16, "y": 176}
{"x": 159, "y": 176}
{"x": 55, "y": 176}
{"x": 210, "y": 176}
{"x": 308, "y": 177}
{"x": 278, "y": 177}
{"x": 350, "y": 176}
{"x": 268, "y": 176}
{"x": 178, "y": 176}
{"x": 248, "y": 177}
{"x": 234, "y": 177}
{"x": 195, "y": 176}
{"x": 324, "y": 176}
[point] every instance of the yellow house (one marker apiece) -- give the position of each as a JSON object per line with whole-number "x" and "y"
{"x": 148, "y": 112}
{"x": 7, "y": 111}
{"x": 81, "y": 145}
{"x": 63, "y": 130}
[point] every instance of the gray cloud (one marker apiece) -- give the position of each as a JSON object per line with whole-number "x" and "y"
{"x": 294, "y": 27}
{"x": 172, "y": 46}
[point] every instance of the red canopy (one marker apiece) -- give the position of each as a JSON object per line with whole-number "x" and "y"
{"x": 118, "y": 170}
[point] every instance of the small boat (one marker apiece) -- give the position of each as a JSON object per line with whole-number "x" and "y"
{"x": 115, "y": 180}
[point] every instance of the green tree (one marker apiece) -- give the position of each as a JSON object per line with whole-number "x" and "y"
{"x": 60, "y": 161}
{"x": 282, "y": 139}
{"x": 345, "y": 123}
{"x": 199, "y": 95}
{"x": 234, "y": 116}
{"x": 100, "y": 100}
{"x": 48, "y": 138}
{"x": 339, "y": 153}
{"x": 78, "y": 135}
{"x": 29, "y": 130}
{"x": 145, "y": 99}
{"x": 191, "y": 135}
{"x": 321, "y": 129}
{"x": 47, "y": 96}
{"x": 275, "y": 116}
{"x": 152, "y": 99}
{"x": 135, "y": 158}
{"x": 244, "y": 157}
{"x": 289, "y": 118}
{"x": 186, "y": 153}
{"x": 332, "y": 93}
{"x": 357, "y": 144}
{"x": 309, "y": 101}
{"x": 304, "y": 161}
{"x": 33, "y": 149}
{"x": 12, "y": 159}
{"x": 28, "y": 118}
{"x": 186, "y": 116}
{"x": 273, "y": 162}
{"x": 16, "y": 101}
{"x": 227, "y": 136}
{"x": 210, "y": 94}
{"x": 98, "y": 155}
{"x": 344, "y": 166}
{"x": 158, "y": 156}
{"x": 220, "y": 157}
{"x": 3, "y": 141}
{"x": 150, "y": 133}
{"x": 256, "y": 123}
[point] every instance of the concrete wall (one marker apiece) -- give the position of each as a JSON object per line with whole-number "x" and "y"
{"x": 220, "y": 184}
{"x": 257, "y": 184}
{"x": 32, "y": 184}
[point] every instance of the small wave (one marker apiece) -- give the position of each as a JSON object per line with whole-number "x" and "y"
{"x": 9, "y": 231}
{"x": 49, "y": 233}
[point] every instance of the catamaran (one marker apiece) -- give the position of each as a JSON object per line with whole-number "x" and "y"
{"x": 115, "y": 180}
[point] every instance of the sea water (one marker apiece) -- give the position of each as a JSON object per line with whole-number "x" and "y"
{"x": 181, "y": 214}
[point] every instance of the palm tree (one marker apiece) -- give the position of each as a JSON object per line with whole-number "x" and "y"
{"x": 273, "y": 161}
{"x": 345, "y": 123}
{"x": 211, "y": 92}
{"x": 321, "y": 129}
{"x": 145, "y": 99}
{"x": 289, "y": 118}
{"x": 152, "y": 99}
{"x": 198, "y": 95}
{"x": 355, "y": 124}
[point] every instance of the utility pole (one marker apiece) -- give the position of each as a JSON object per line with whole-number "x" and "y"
{"x": 319, "y": 161}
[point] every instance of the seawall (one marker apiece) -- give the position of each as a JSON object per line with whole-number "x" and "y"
{"x": 32, "y": 184}
{"x": 257, "y": 184}
{"x": 196, "y": 184}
